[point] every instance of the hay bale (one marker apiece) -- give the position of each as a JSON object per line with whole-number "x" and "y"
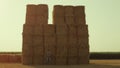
{"x": 41, "y": 20}
{"x": 79, "y": 11}
{"x": 49, "y": 30}
{"x": 42, "y": 10}
{"x": 31, "y": 10}
{"x": 61, "y": 60}
{"x": 69, "y": 20}
{"x": 69, "y": 10}
{"x": 38, "y": 30}
{"x": 59, "y": 20}
{"x": 61, "y": 30}
{"x": 73, "y": 60}
{"x": 58, "y": 11}
{"x": 27, "y": 29}
{"x": 38, "y": 40}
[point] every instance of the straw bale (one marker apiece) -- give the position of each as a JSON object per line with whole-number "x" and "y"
{"x": 61, "y": 60}
{"x": 49, "y": 30}
{"x": 58, "y": 10}
{"x": 61, "y": 30}
{"x": 73, "y": 60}
{"x": 69, "y": 10}
{"x": 31, "y": 10}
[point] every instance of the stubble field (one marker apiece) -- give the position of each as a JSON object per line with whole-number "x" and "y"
{"x": 93, "y": 64}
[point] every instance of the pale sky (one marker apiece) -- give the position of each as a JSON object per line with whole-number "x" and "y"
{"x": 102, "y": 16}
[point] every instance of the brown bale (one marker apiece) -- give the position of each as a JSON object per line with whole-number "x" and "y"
{"x": 83, "y": 51}
{"x": 79, "y": 11}
{"x": 30, "y": 20}
{"x": 61, "y": 50}
{"x": 27, "y": 29}
{"x": 72, "y": 41}
{"x": 38, "y": 50}
{"x": 61, "y": 30}
{"x": 73, "y": 60}
{"x": 59, "y": 20}
{"x": 49, "y": 60}
{"x": 80, "y": 20}
{"x": 42, "y": 10}
{"x": 31, "y": 10}
{"x": 69, "y": 20}
{"x": 38, "y": 60}
{"x": 19, "y": 58}
{"x": 83, "y": 60}
{"x": 38, "y": 30}
{"x": 27, "y": 40}
{"x": 83, "y": 56}
{"x": 27, "y": 51}
{"x": 58, "y": 11}
{"x": 73, "y": 52}
{"x": 61, "y": 60}
{"x": 61, "y": 40}
{"x": 83, "y": 43}
{"x": 4, "y": 58}
{"x": 41, "y": 20}
{"x": 38, "y": 40}
{"x": 69, "y": 10}
{"x": 14, "y": 59}
{"x": 50, "y": 51}
{"x": 27, "y": 60}
{"x": 49, "y": 41}
{"x": 72, "y": 30}
{"x": 49, "y": 30}
{"x": 82, "y": 31}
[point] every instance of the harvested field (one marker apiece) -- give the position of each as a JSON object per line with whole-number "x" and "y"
{"x": 93, "y": 64}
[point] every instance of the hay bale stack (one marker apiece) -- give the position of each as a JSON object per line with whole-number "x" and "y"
{"x": 63, "y": 42}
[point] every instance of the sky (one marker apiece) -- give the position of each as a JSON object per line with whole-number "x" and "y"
{"x": 102, "y": 17}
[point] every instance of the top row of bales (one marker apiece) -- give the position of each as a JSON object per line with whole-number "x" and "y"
{"x": 37, "y": 10}
{"x": 60, "y": 10}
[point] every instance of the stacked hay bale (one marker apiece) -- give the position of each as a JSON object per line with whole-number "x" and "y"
{"x": 33, "y": 40}
{"x": 72, "y": 35}
{"x": 61, "y": 34}
{"x": 63, "y": 42}
{"x": 82, "y": 34}
{"x": 27, "y": 50}
{"x": 49, "y": 44}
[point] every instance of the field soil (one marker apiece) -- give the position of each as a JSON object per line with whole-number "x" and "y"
{"x": 93, "y": 64}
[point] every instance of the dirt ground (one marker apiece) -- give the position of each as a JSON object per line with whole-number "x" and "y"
{"x": 93, "y": 64}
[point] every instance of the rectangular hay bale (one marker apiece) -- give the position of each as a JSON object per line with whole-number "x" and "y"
{"x": 61, "y": 60}
{"x": 49, "y": 51}
{"x": 27, "y": 60}
{"x": 38, "y": 30}
{"x": 59, "y": 20}
{"x": 69, "y": 10}
{"x": 61, "y": 30}
{"x": 61, "y": 51}
{"x": 58, "y": 10}
{"x": 27, "y": 29}
{"x": 73, "y": 60}
{"x": 38, "y": 50}
{"x": 41, "y": 20}
{"x": 38, "y": 40}
{"x": 38, "y": 60}
{"x": 73, "y": 51}
{"x": 27, "y": 39}
{"x": 30, "y": 20}
{"x": 49, "y": 29}
{"x": 69, "y": 20}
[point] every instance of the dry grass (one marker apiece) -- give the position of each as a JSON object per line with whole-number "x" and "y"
{"x": 93, "y": 64}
